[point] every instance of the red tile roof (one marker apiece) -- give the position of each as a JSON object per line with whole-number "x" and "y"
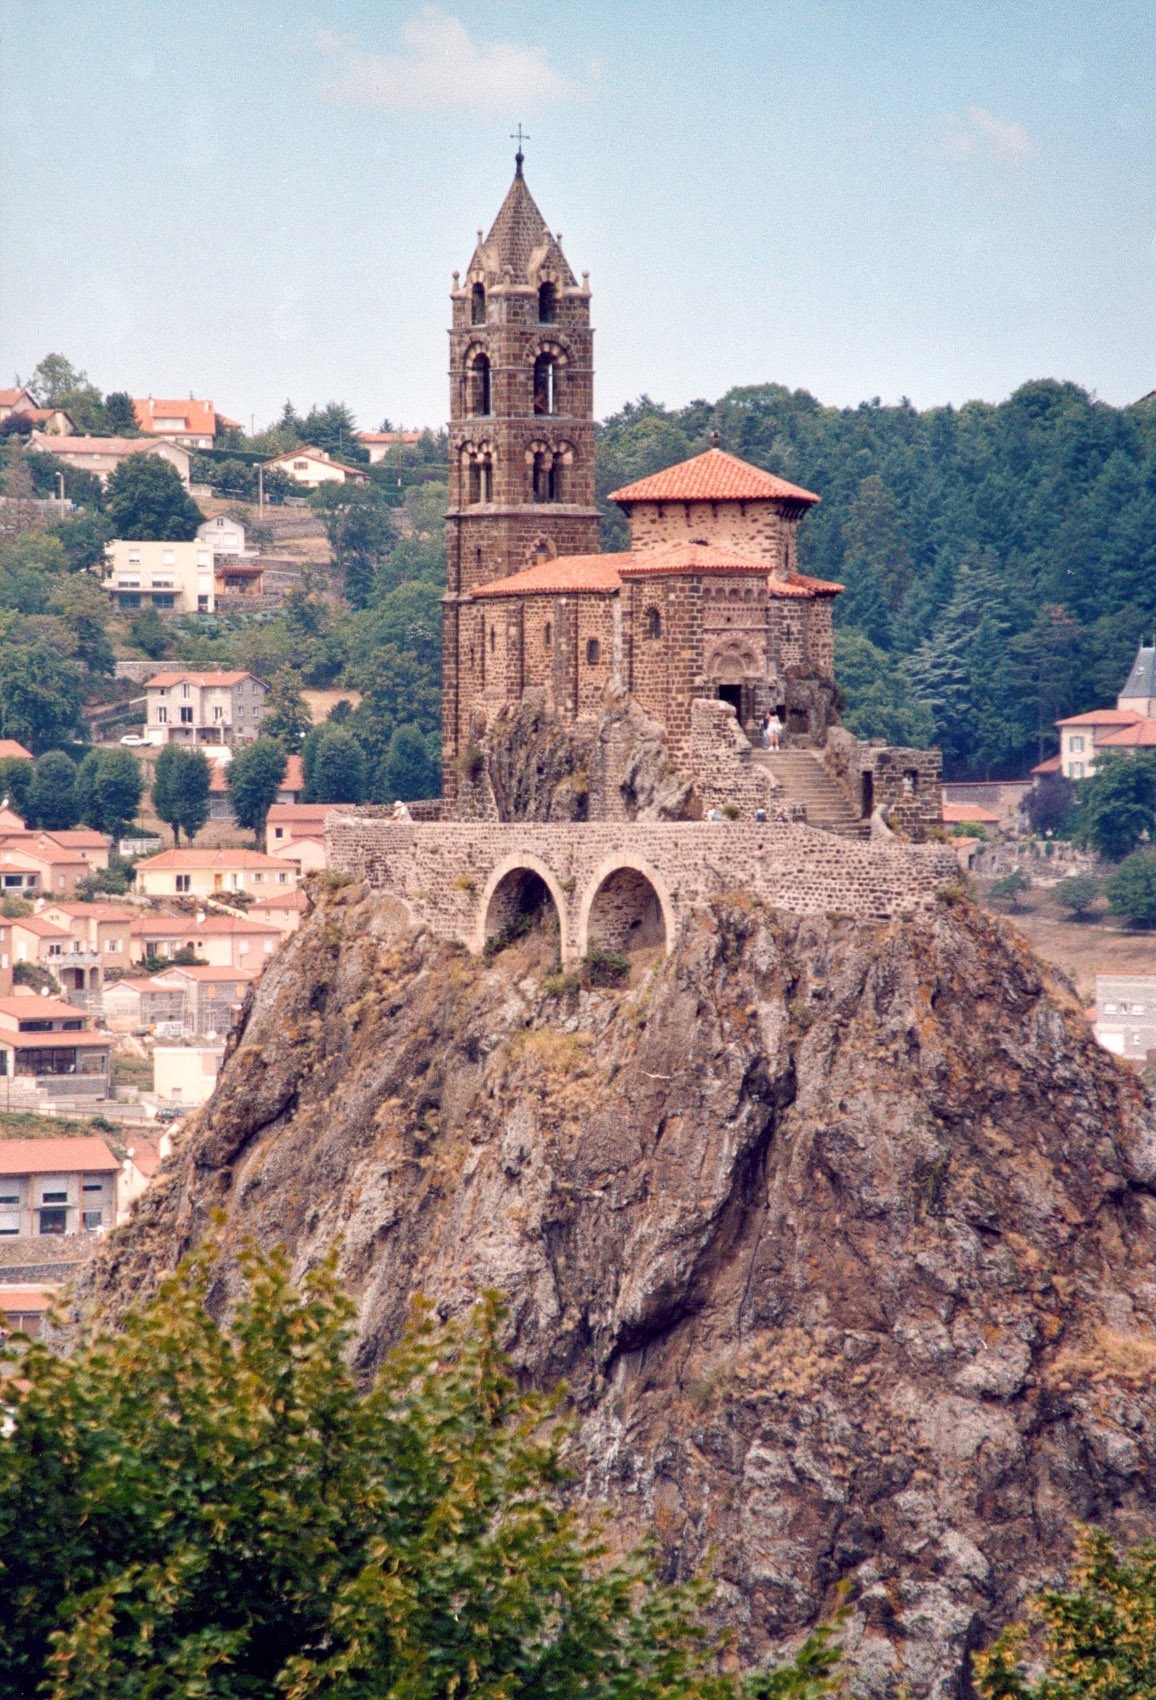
{"x": 1142, "y": 736}
{"x": 294, "y": 777}
{"x": 712, "y": 477}
{"x": 11, "y": 750}
{"x": 55, "y": 1156}
{"x": 30, "y": 1006}
{"x": 162, "y": 681}
{"x": 288, "y": 900}
{"x": 1052, "y": 765}
{"x": 388, "y": 436}
{"x": 566, "y": 573}
{"x": 205, "y": 971}
{"x": 801, "y": 584}
{"x": 208, "y": 859}
{"x": 197, "y": 418}
{"x": 603, "y": 574}
{"x": 13, "y": 398}
{"x": 1102, "y": 717}
{"x": 956, "y": 813}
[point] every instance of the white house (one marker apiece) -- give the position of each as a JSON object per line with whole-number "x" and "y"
{"x": 204, "y": 708}
{"x": 102, "y": 455}
{"x": 312, "y": 467}
{"x": 224, "y": 536}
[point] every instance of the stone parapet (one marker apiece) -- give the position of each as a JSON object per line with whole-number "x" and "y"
{"x": 457, "y": 877}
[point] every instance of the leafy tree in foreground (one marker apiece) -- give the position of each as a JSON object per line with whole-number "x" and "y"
{"x": 1117, "y": 804}
{"x": 253, "y": 776}
{"x": 185, "y": 1510}
{"x": 181, "y": 790}
{"x": 1077, "y": 893}
{"x": 109, "y": 789}
{"x": 149, "y": 632}
{"x": 1131, "y": 890}
{"x": 1008, "y": 889}
{"x": 286, "y": 716}
{"x": 147, "y": 501}
{"x": 407, "y": 771}
{"x": 52, "y": 799}
{"x": 1099, "y": 1639}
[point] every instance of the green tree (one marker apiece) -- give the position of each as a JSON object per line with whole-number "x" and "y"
{"x": 1078, "y": 893}
{"x": 360, "y": 535}
{"x": 181, "y": 790}
{"x": 1050, "y": 803}
{"x": 109, "y": 790}
{"x": 40, "y": 696}
{"x": 83, "y": 538}
{"x": 1097, "y": 1639}
{"x": 408, "y": 772}
{"x": 149, "y": 632}
{"x": 337, "y": 768}
{"x": 121, "y": 414}
{"x": 1008, "y": 889}
{"x": 147, "y": 502}
{"x": 877, "y": 696}
{"x": 1131, "y": 889}
{"x": 286, "y": 716}
{"x": 52, "y": 799}
{"x": 1117, "y": 803}
{"x": 15, "y": 782}
{"x": 82, "y": 609}
{"x": 254, "y": 776}
{"x": 186, "y": 1509}
{"x": 56, "y": 382}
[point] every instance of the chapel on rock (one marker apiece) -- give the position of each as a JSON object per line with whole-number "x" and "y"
{"x": 708, "y": 601}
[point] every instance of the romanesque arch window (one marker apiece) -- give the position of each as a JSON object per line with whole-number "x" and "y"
{"x": 652, "y": 623}
{"x": 481, "y": 482}
{"x": 545, "y": 384}
{"x": 480, "y": 397}
{"x": 478, "y": 305}
{"x": 548, "y": 635}
{"x": 547, "y": 304}
{"x": 593, "y": 652}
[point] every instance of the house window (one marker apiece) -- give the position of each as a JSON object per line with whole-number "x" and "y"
{"x": 186, "y": 717}
{"x": 93, "y": 1183}
{"x": 301, "y": 466}
{"x": 168, "y": 559}
{"x": 218, "y": 714}
{"x": 134, "y": 557}
{"x": 184, "y": 881}
{"x": 282, "y": 879}
{"x": 1078, "y": 745}
{"x": 112, "y": 946}
{"x": 57, "y": 1195}
{"x": 184, "y": 690}
{"x": 1109, "y": 1009}
{"x": 242, "y": 947}
{"x": 1077, "y": 770}
{"x": 53, "y": 1221}
{"x": 9, "y": 1221}
{"x": 593, "y": 652}
{"x": 93, "y": 1221}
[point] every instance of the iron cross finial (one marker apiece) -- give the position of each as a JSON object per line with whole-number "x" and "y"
{"x": 519, "y": 137}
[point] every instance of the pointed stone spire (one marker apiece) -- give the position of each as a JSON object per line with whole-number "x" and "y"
{"x": 520, "y": 241}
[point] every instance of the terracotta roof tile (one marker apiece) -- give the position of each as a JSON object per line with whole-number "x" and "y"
{"x": 1102, "y": 717}
{"x": 162, "y": 681}
{"x": 1052, "y": 765}
{"x": 603, "y": 574}
{"x": 566, "y": 573}
{"x": 55, "y": 1156}
{"x": 208, "y": 859}
{"x": 197, "y": 418}
{"x": 1141, "y": 736}
{"x": 712, "y": 477}
{"x": 10, "y": 750}
{"x": 957, "y": 813}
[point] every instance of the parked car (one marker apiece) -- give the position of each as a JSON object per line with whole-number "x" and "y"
{"x": 134, "y": 740}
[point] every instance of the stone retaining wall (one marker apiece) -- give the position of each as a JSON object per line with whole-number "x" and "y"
{"x": 461, "y": 879}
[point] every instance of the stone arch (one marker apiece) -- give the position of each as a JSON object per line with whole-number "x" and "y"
{"x": 626, "y": 906}
{"x": 737, "y": 677}
{"x": 521, "y": 870}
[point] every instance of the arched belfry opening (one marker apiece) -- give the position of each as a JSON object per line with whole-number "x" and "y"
{"x": 478, "y": 304}
{"x": 547, "y": 304}
{"x": 626, "y": 914}
{"x": 546, "y": 384}
{"x": 480, "y": 378}
{"x": 522, "y": 907}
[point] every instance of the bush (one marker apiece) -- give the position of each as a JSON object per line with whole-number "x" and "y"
{"x": 1078, "y": 893}
{"x": 1008, "y": 889}
{"x": 1131, "y": 890}
{"x": 602, "y": 967}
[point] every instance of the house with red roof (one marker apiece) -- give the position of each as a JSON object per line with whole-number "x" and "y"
{"x": 1131, "y": 725}
{"x": 193, "y": 424}
{"x": 198, "y": 709}
{"x": 312, "y": 467}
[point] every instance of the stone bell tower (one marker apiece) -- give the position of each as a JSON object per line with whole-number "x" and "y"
{"x": 521, "y": 431}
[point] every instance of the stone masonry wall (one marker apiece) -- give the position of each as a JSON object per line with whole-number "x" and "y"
{"x": 906, "y": 784}
{"x": 447, "y": 874}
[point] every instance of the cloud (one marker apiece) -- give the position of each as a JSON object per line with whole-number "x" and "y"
{"x": 990, "y": 140}
{"x": 439, "y": 69}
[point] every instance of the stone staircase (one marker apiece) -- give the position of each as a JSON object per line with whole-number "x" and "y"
{"x": 805, "y": 780}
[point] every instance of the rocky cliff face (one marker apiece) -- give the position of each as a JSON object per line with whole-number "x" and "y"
{"x": 841, "y": 1236}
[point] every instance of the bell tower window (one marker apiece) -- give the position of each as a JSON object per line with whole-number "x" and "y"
{"x": 545, "y": 384}
{"x": 653, "y": 623}
{"x": 480, "y": 380}
{"x": 547, "y": 304}
{"x": 547, "y": 478}
{"x": 481, "y": 482}
{"x": 478, "y": 305}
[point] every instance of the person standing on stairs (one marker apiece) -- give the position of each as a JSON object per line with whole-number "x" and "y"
{"x": 774, "y": 729}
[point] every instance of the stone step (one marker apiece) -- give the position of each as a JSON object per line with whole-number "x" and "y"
{"x": 804, "y": 780}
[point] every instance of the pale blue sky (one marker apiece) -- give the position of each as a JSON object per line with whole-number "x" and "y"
{"x": 252, "y": 200}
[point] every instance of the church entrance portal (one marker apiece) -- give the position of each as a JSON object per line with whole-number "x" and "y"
{"x": 734, "y": 695}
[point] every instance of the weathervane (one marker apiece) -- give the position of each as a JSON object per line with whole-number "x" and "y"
{"x": 520, "y": 137}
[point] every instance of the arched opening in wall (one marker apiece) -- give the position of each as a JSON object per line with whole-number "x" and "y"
{"x": 480, "y": 483}
{"x": 593, "y": 652}
{"x": 540, "y": 478}
{"x": 626, "y": 915}
{"x": 547, "y": 304}
{"x": 652, "y": 623}
{"x": 477, "y": 305}
{"x": 548, "y": 635}
{"x": 480, "y": 397}
{"x": 522, "y": 911}
{"x": 545, "y": 384}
